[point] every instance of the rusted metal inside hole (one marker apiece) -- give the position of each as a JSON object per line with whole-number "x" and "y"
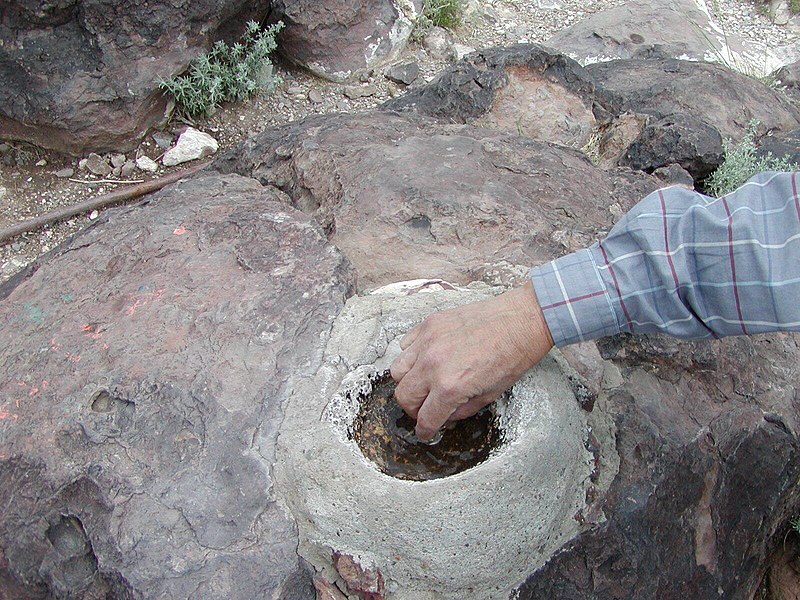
{"x": 385, "y": 435}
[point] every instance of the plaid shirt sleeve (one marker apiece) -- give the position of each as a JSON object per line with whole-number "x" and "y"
{"x": 684, "y": 264}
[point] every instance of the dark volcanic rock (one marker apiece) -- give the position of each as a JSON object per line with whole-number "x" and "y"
{"x": 785, "y": 145}
{"x": 679, "y": 139}
{"x": 404, "y": 197}
{"x": 340, "y": 39}
{"x": 711, "y": 93}
{"x": 524, "y": 89}
{"x": 709, "y": 464}
{"x": 83, "y": 75}
{"x": 789, "y": 75}
{"x": 406, "y": 73}
{"x": 141, "y": 388}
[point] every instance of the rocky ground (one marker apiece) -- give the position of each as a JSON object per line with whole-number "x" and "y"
{"x": 33, "y": 181}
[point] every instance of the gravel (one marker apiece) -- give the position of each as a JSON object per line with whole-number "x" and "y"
{"x": 31, "y": 190}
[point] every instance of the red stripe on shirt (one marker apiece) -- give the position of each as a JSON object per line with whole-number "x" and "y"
{"x": 666, "y": 239}
{"x": 571, "y": 300}
{"x": 733, "y": 264}
{"x": 616, "y": 285}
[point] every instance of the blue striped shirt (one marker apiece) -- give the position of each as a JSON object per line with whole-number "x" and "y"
{"x": 684, "y": 264}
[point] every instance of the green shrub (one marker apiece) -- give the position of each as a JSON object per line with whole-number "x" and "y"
{"x": 226, "y": 73}
{"x": 741, "y": 163}
{"x": 441, "y": 13}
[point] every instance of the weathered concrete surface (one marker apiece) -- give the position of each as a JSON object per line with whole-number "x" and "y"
{"x": 83, "y": 75}
{"x": 431, "y": 539}
{"x": 340, "y": 39}
{"x": 141, "y": 388}
{"x": 406, "y": 198}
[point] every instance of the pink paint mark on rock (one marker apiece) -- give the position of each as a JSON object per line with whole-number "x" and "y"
{"x": 327, "y": 590}
{"x": 366, "y": 582}
{"x": 144, "y": 300}
{"x": 180, "y": 230}
{"x": 4, "y": 414}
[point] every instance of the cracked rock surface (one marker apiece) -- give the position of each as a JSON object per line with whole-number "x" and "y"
{"x": 141, "y": 394}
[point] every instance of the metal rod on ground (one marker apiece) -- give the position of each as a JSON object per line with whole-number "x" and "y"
{"x": 103, "y": 201}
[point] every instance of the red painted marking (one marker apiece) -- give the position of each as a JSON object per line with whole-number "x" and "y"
{"x": 148, "y": 296}
{"x": 180, "y": 230}
{"x": 4, "y": 414}
{"x": 733, "y": 265}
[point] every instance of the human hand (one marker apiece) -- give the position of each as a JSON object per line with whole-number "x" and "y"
{"x": 457, "y": 361}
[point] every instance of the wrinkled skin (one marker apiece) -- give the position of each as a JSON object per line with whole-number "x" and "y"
{"x": 457, "y": 361}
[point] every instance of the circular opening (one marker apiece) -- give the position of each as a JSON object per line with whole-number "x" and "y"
{"x": 385, "y": 435}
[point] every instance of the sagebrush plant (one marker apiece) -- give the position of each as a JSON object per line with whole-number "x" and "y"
{"x": 441, "y": 13}
{"x": 795, "y": 524}
{"x": 741, "y": 162}
{"x": 226, "y": 73}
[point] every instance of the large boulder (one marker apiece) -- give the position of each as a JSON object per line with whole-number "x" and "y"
{"x": 724, "y": 99}
{"x": 525, "y": 89}
{"x": 672, "y": 29}
{"x": 342, "y": 39}
{"x": 709, "y": 470}
{"x": 646, "y": 114}
{"x": 142, "y": 385}
{"x": 694, "y": 493}
{"x": 405, "y": 197}
{"x": 83, "y": 74}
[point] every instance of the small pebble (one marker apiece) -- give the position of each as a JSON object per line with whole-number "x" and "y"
{"x": 162, "y": 139}
{"x": 294, "y": 91}
{"x": 65, "y": 173}
{"x": 146, "y": 163}
{"x": 82, "y": 164}
{"x": 41, "y": 163}
{"x": 360, "y": 91}
{"x": 3, "y": 191}
{"x": 128, "y": 169}
{"x": 315, "y": 96}
{"x": 93, "y": 215}
{"x": 117, "y": 160}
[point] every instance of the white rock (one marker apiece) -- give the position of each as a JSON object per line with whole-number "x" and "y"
{"x": 461, "y": 50}
{"x": 3, "y": 192}
{"x": 192, "y": 145}
{"x": 147, "y": 164}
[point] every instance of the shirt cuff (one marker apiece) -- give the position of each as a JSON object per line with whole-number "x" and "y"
{"x": 574, "y": 300}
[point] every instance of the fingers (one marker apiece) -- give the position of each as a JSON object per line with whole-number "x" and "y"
{"x": 403, "y": 363}
{"x": 472, "y": 406}
{"x": 410, "y": 336}
{"x": 432, "y": 415}
{"x": 411, "y": 392}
